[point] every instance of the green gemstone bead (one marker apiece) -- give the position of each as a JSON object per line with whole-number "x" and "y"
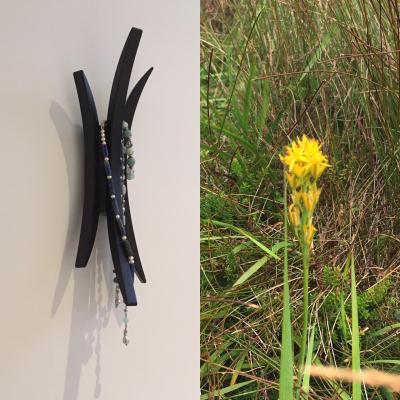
{"x": 127, "y": 133}
{"x": 130, "y": 161}
{"x": 129, "y": 174}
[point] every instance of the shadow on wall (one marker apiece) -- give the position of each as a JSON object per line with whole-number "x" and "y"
{"x": 90, "y": 310}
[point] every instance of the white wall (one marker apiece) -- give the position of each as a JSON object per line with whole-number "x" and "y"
{"x": 60, "y": 336}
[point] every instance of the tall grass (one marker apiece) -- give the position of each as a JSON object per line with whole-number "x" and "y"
{"x": 286, "y": 367}
{"x": 272, "y": 70}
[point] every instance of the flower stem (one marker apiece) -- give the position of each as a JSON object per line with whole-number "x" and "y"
{"x": 303, "y": 343}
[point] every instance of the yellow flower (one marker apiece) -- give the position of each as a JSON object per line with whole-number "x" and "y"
{"x": 308, "y": 231}
{"x": 304, "y": 157}
{"x": 294, "y": 215}
{"x": 304, "y": 163}
{"x": 310, "y": 198}
{"x": 292, "y": 180}
{"x": 296, "y": 197}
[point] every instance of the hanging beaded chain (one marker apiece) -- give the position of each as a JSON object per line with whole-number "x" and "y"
{"x": 127, "y": 164}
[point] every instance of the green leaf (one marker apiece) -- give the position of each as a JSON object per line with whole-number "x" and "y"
{"x": 214, "y": 356}
{"x": 385, "y": 330}
{"x": 251, "y": 271}
{"x": 395, "y": 362}
{"x": 306, "y": 377}
{"x": 248, "y": 235}
{"x": 238, "y": 368}
{"x": 355, "y": 333}
{"x": 286, "y": 368}
{"x": 228, "y": 389}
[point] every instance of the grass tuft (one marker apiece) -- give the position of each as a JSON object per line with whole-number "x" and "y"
{"x": 272, "y": 70}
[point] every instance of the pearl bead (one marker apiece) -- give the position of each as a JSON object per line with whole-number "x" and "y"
{"x": 124, "y": 237}
{"x": 106, "y": 159}
{"x": 113, "y": 196}
{"x": 109, "y": 177}
{"x": 117, "y": 216}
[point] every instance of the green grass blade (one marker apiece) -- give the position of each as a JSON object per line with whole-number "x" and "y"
{"x": 225, "y": 390}
{"x": 386, "y": 330}
{"x": 214, "y": 356}
{"x": 306, "y": 377}
{"x": 343, "y": 317}
{"x": 386, "y": 393}
{"x": 248, "y": 235}
{"x": 355, "y": 333}
{"x": 395, "y": 362}
{"x": 251, "y": 271}
{"x": 238, "y": 368}
{"x": 286, "y": 368}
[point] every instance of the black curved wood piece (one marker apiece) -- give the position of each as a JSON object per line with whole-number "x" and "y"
{"x": 90, "y": 215}
{"x": 134, "y": 96}
{"x": 115, "y": 117}
{"x": 130, "y": 109}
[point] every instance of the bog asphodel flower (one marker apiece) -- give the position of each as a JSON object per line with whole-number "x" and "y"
{"x": 304, "y": 158}
{"x": 305, "y": 163}
{"x": 294, "y": 215}
{"x": 308, "y": 232}
{"x": 310, "y": 198}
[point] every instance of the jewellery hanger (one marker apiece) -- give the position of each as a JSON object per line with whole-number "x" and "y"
{"x": 108, "y": 165}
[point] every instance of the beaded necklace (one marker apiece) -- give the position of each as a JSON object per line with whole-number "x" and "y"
{"x": 127, "y": 172}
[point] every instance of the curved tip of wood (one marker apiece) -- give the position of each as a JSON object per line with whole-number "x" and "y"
{"x": 135, "y": 30}
{"x": 141, "y": 276}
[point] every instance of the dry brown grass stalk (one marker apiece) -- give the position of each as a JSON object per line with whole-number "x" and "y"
{"x": 370, "y": 377}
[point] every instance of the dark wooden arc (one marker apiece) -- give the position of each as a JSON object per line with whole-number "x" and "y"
{"x": 114, "y": 134}
{"x": 90, "y": 216}
{"x": 134, "y": 96}
{"x": 130, "y": 109}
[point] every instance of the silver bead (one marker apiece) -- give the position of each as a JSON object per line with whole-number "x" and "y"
{"x": 117, "y": 216}
{"x": 109, "y": 177}
{"x": 124, "y": 237}
{"x": 113, "y": 196}
{"x": 106, "y": 159}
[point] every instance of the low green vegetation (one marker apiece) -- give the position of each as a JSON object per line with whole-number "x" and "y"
{"x": 270, "y": 71}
